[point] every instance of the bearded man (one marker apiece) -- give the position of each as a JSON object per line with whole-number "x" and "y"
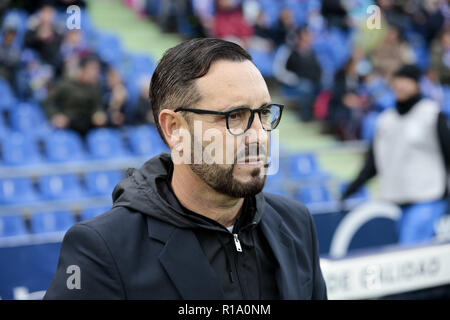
{"x": 195, "y": 224}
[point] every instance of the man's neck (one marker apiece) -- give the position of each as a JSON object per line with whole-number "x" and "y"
{"x": 197, "y": 196}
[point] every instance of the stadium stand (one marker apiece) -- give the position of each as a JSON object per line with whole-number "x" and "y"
{"x": 50, "y": 177}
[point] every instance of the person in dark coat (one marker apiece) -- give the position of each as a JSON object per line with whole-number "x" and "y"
{"x": 304, "y": 64}
{"x": 76, "y": 103}
{"x": 195, "y": 229}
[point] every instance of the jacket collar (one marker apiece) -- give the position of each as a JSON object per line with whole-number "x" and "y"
{"x": 185, "y": 263}
{"x": 194, "y": 277}
{"x": 282, "y": 245}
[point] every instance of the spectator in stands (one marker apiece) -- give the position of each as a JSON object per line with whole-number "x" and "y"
{"x": 411, "y": 156}
{"x": 3, "y": 7}
{"x": 115, "y": 98}
{"x": 33, "y": 78}
{"x": 230, "y": 24}
{"x": 9, "y": 54}
{"x": 204, "y": 10}
{"x": 72, "y": 48}
{"x": 278, "y": 33}
{"x": 427, "y": 18}
{"x": 171, "y": 12}
{"x": 45, "y": 37}
{"x": 431, "y": 87}
{"x": 144, "y": 112}
{"x": 62, "y": 5}
{"x": 76, "y": 103}
{"x": 335, "y": 14}
{"x": 347, "y": 103}
{"x": 440, "y": 56}
{"x": 444, "y": 6}
{"x": 391, "y": 53}
{"x": 303, "y": 62}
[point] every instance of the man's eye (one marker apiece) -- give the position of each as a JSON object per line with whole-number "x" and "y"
{"x": 234, "y": 116}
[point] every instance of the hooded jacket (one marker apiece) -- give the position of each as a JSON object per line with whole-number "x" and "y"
{"x": 149, "y": 247}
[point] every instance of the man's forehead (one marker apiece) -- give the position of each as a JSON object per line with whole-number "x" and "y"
{"x": 231, "y": 82}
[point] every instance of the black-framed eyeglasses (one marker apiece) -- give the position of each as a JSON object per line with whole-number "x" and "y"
{"x": 240, "y": 119}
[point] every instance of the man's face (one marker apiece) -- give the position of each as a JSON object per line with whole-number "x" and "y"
{"x": 229, "y": 85}
{"x": 404, "y": 88}
{"x": 90, "y": 72}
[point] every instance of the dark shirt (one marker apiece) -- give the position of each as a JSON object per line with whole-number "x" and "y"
{"x": 304, "y": 65}
{"x": 246, "y": 275}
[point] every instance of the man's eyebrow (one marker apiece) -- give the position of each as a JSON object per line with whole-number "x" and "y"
{"x": 226, "y": 109}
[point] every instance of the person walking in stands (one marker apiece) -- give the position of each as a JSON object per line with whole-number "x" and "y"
{"x": 184, "y": 230}
{"x": 410, "y": 155}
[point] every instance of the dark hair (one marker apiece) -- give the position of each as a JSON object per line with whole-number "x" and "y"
{"x": 88, "y": 57}
{"x": 409, "y": 71}
{"x": 172, "y": 85}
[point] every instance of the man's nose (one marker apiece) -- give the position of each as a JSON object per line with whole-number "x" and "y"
{"x": 256, "y": 132}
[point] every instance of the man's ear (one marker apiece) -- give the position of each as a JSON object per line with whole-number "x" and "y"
{"x": 170, "y": 123}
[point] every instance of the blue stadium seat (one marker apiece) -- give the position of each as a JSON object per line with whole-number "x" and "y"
{"x": 305, "y": 166}
{"x": 289, "y": 93}
{"x": 12, "y": 225}
{"x": 44, "y": 222}
{"x": 318, "y": 199}
{"x": 142, "y": 63}
{"x": 29, "y": 118}
{"x": 263, "y": 61}
{"x": 299, "y": 9}
{"x": 102, "y": 183}
{"x": 153, "y": 7}
{"x": 17, "y": 191}
{"x": 64, "y": 145}
{"x": 446, "y": 103}
{"x": 89, "y": 213}
{"x": 275, "y": 184}
{"x": 271, "y": 9}
{"x": 8, "y": 100}
{"x": 109, "y": 48}
{"x": 279, "y": 190}
{"x": 359, "y": 197}
{"x": 60, "y": 187}
{"x": 145, "y": 141}
{"x": 4, "y": 128}
{"x": 104, "y": 143}
{"x": 20, "y": 149}
{"x": 314, "y": 194}
{"x": 19, "y": 19}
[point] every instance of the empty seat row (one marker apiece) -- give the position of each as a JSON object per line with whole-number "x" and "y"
{"x": 58, "y": 187}
{"x": 44, "y": 222}
{"x": 318, "y": 197}
{"x": 19, "y": 148}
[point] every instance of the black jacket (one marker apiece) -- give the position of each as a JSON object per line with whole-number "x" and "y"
{"x": 146, "y": 247}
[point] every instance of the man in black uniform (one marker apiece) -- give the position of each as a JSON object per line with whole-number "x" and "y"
{"x": 182, "y": 230}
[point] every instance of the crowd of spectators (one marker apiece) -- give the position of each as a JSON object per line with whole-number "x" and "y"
{"x": 59, "y": 69}
{"x": 322, "y": 52}
{"x": 337, "y": 68}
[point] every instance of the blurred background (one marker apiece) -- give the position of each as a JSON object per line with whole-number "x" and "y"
{"x": 75, "y": 115}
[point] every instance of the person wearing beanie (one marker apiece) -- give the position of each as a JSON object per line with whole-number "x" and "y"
{"x": 410, "y": 155}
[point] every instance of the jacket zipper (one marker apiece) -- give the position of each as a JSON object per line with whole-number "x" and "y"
{"x": 237, "y": 243}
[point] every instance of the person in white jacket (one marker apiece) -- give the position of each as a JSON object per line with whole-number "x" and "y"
{"x": 410, "y": 155}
